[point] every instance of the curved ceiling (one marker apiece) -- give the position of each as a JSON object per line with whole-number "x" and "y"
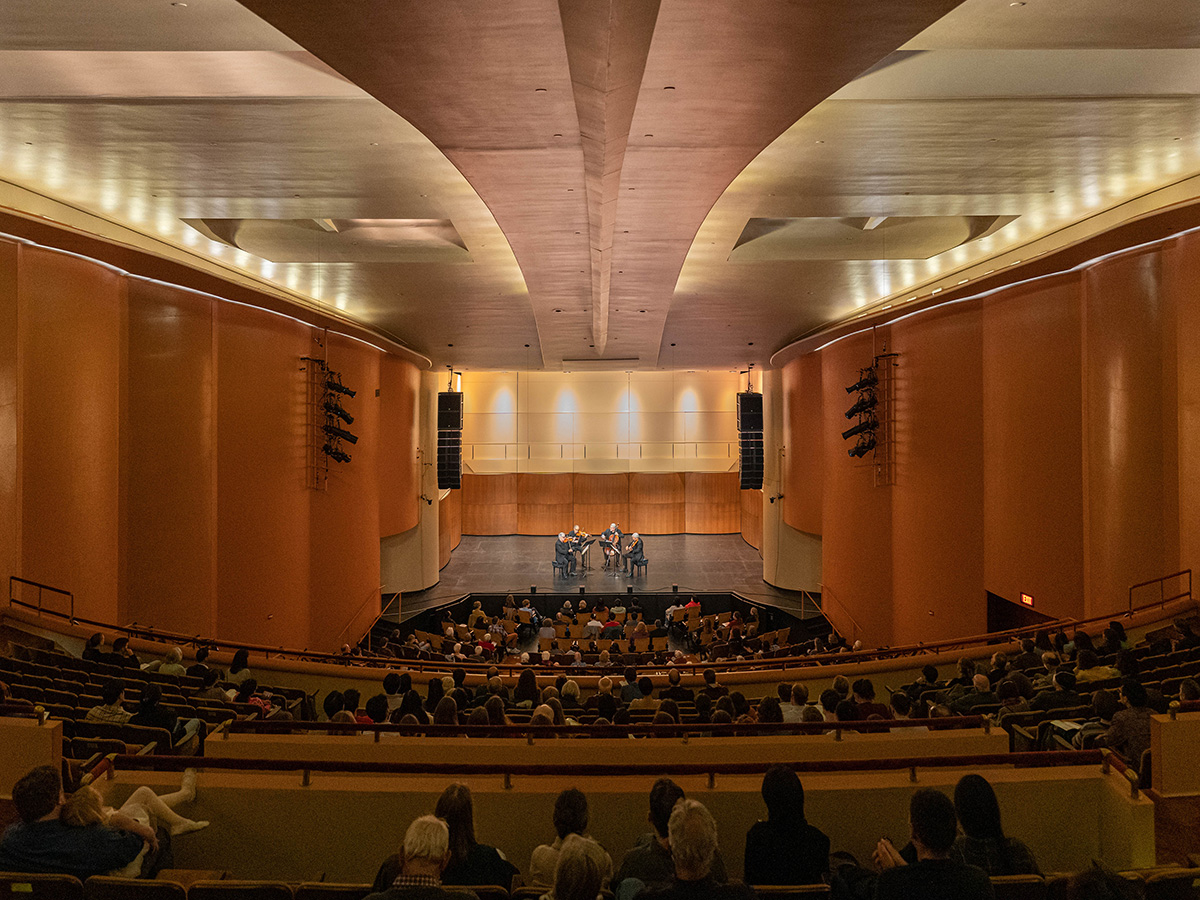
{"x": 657, "y": 183}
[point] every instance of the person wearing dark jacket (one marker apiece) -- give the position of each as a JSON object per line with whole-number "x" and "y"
{"x": 785, "y": 849}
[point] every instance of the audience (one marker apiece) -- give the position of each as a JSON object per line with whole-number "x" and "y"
{"x": 110, "y": 711}
{"x": 692, "y": 836}
{"x": 983, "y": 843}
{"x": 1129, "y": 733}
{"x": 570, "y": 817}
{"x": 424, "y": 856}
{"x": 580, "y": 873}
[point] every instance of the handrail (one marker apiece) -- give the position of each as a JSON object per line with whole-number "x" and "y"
{"x": 1161, "y": 582}
{"x": 41, "y": 587}
{"x": 1034, "y": 759}
{"x": 826, "y": 591}
{"x": 772, "y": 664}
{"x": 376, "y": 593}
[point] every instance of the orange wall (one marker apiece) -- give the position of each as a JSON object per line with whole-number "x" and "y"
{"x": 1047, "y": 442}
{"x": 1123, "y": 422}
{"x": 169, "y": 459}
{"x": 937, "y": 498}
{"x": 160, "y": 457}
{"x": 70, "y": 350}
{"x": 1033, "y": 439}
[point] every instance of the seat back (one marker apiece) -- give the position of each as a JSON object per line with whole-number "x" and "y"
{"x": 21, "y": 886}
{"x": 328, "y": 890}
{"x": 787, "y": 891}
{"x": 106, "y": 887}
{"x": 1179, "y": 884}
{"x": 240, "y": 890}
{"x": 1019, "y": 887}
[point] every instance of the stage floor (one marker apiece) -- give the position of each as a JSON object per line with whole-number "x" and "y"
{"x": 695, "y": 562}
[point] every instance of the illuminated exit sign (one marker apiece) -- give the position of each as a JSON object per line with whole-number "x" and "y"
{"x": 1027, "y": 599}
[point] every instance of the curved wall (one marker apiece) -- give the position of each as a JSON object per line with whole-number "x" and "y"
{"x": 159, "y": 457}
{"x": 1046, "y": 442}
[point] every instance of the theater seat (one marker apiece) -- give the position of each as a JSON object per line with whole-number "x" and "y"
{"x": 21, "y": 886}
{"x": 1178, "y": 884}
{"x": 785, "y": 891}
{"x": 105, "y": 887}
{"x": 328, "y": 890}
{"x": 1019, "y": 887}
{"x": 240, "y": 890}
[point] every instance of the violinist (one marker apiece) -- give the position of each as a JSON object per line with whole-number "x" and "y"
{"x": 610, "y": 540}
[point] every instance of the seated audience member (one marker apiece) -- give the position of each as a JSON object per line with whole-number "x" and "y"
{"x": 1028, "y": 658}
{"x": 935, "y": 875}
{"x": 121, "y": 655}
{"x": 902, "y": 708}
{"x": 424, "y": 855}
{"x": 392, "y": 692}
{"x": 580, "y": 872}
{"x": 376, "y": 709}
{"x": 42, "y": 843}
{"x": 200, "y": 667}
{"x": 1061, "y": 697}
{"x": 769, "y": 711}
{"x": 570, "y": 695}
{"x": 1044, "y": 679}
{"x": 142, "y": 814}
{"x": 239, "y": 669}
{"x": 675, "y": 691}
{"x": 981, "y": 696}
{"x": 841, "y": 684}
{"x": 1009, "y": 694}
{"x": 1105, "y": 705}
{"x": 864, "y": 696}
{"x": 150, "y": 714}
{"x": 926, "y": 681}
{"x": 333, "y": 704}
{"x": 649, "y": 862}
{"x": 1189, "y": 690}
{"x": 570, "y": 817}
{"x": 712, "y": 687}
{"x": 703, "y": 708}
{"x": 785, "y": 849}
{"x": 93, "y": 650}
{"x": 110, "y": 711}
{"x": 798, "y": 699}
{"x": 692, "y": 834}
{"x": 811, "y": 714}
{"x": 1088, "y": 668}
{"x": 829, "y": 700}
{"x": 352, "y": 697}
{"x": 631, "y": 689}
{"x": 526, "y": 694}
{"x": 279, "y": 711}
{"x": 470, "y": 862}
{"x": 210, "y": 690}
{"x": 646, "y": 700}
{"x": 983, "y": 842}
{"x": 1129, "y": 733}
{"x": 246, "y": 694}
{"x": 170, "y": 664}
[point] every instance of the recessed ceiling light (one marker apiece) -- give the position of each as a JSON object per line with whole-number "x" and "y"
{"x": 181, "y": 5}
{"x": 543, "y": 90}
{"x": 669, "y": 87}
{"x": 641, "y": 310}
{"x": 558, "y": 135}
{"x": 558, "y": 310}
{"x": 1017, "y": 3}
{"x": 650, "y": 135}
{"x": 750, "y": 344}
{"x": 449, "y": 345}
{"x": 526, "y": 345}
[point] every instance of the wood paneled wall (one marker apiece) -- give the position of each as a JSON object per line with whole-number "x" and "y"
{"x": 651, "y": 503}
{"x": 449, "y": 526}
{"x": 752, "y": 518}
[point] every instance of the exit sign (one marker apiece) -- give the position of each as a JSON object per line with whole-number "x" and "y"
{"x": 1027, "y": 599}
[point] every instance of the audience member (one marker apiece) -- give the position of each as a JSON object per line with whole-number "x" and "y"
{"x": 981, "y": 696}
{"x": 983, "y": 842}
{"x": 1062, "y": 696}
{"x": 199, "y": 669}
{"x": 785, "y": 849}
{"x": 692, "y": 835}
{"x": 170, "y": 664}
{"x": 712, "y": 687}
{"x": 864, "y": 697}
{"x": 424, "y": 854}
{"x": 580, "y": 873}
{"x": 1088, "y": 668}
{"x": 570, "y": 817}
{"x": 675, "y": 691}
{"x": 93, "y": 650}
{"x": 1028, "y": 658}
{"x": 239, "y": 668}
{"x": 644, "y": 700}
{"x": 1129, "y": 733}
{"x": 110, "y": 711}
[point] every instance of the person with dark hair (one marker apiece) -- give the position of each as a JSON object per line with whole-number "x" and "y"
{"x": 711, "y": 686}
{"x": 526, "y": 694}
{"x": 377, "y": 709}
{"x": 935, "y": 875}
{"x": 1129, "y": 733}
{"x": 110, "y": 711}
{"x": 631, "y": 689}
{"x": 649, "y": 862}
{"x": 436, "y": 692}
{"x": 769, "y": 711}
{"x": 210, "y": 690}
{"x": 645, "y": 700}
{"x": 200, "y": 667}
{"x": 674, "y": 691}
{"x": 239, "y": 668}
{"x": 846, "y": 711}
{"x": 391, "y": 691}
{"x": 1062, "y": 696}
{"x": 121, "y": 655}
{"x": 864, "y": 697}
{"x": 93, "y": 650}
{"x": 828, "y": 701}
{"x": 785, "y": 849}
{"x": 411, "y": 705}
{"x": 1088, "y": 668}
{"x": 570, "y": 817}
{"x": 983, "y": 842}
{"x": 1028, "y": 658}
{"x": 42, "y": 843}
{"x": 150, "y": 714}
{"x": 246, "y": 693}
{"x": 470, "y": 862}
{"x": 333, "y": 704}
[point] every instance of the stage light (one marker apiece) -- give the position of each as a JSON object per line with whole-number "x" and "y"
{"x": 863, "y": 447}
{"x": 334, "y": 431}
{"x": 867, "y": 379}
{"x": 336, "y": 454}
{"x": 866, "y": 425}
{"x": 863, "y": 404}
{"x": 334, "y": 409}
{"x": 336, "y": 386}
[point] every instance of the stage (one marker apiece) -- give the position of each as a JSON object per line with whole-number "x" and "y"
{"x": 695, "y": 562}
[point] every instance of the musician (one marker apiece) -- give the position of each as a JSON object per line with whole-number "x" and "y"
{"x": 563, "y": 553}
{"x": 610, "y": 539}
{"x": 578, "y": 539}
{"x": 635, "y": 553}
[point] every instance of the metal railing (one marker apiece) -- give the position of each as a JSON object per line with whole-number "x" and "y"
{"x": 1163, "y": 600}
{"x": 15, "y": 580}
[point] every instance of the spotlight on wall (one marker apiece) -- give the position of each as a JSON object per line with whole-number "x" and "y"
{"x": 868, "y": 424}
{"x": 867, "y": 379}
{"x": 335, "y": 385}
{"x": 863, "y": 404}
{"x": 335, "y": 409}
{"x": 335, "y": 432}
{"x": 335, "y": 454}
{"x": 864, "y": 446}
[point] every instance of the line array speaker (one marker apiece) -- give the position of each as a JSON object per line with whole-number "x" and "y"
{"x": 449, "y": 460}
{"x": 449, "y": 411}
{"x": 750, "y": 412}
{"x": 750, "y": 460}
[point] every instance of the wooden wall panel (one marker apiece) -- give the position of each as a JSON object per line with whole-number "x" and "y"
{"x": 712, "y": 504}
{"x": 545, "y": 504}
{"x": 454, "y": 508}
{"x": 489, "y": 504}
{"x": 752, "y": 518}
{"x": 656, "y": 502}
{"x": 449, "y": 526}
{"x": 601, "y": 500}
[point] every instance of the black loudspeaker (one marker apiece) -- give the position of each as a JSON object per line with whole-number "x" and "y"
{"x": 750, "y": 460}
{"x": 450, "y": 411}
{"x": 449, "y": 460}
{"x": 749, "y": 411}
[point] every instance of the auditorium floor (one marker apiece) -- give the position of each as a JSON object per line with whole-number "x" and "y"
{"x": 695, "y": 562}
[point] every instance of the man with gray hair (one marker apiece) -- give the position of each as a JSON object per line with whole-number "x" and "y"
{"x": 425, "y": 852}
{"x": 692, "y": 834}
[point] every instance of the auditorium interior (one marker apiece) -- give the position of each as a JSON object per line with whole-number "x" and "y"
{"x": 876, "y": 323}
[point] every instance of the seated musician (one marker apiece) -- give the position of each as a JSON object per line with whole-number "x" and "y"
{"x": 610, "y": 538}
{"x": 563, "y": 554}
{"x": 579, "y": 542}
{"x": 635, "y": 553}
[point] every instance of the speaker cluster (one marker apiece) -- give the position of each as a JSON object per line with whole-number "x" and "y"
{"x": 449, "y": 437}
{"x": 750, "y": 440}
